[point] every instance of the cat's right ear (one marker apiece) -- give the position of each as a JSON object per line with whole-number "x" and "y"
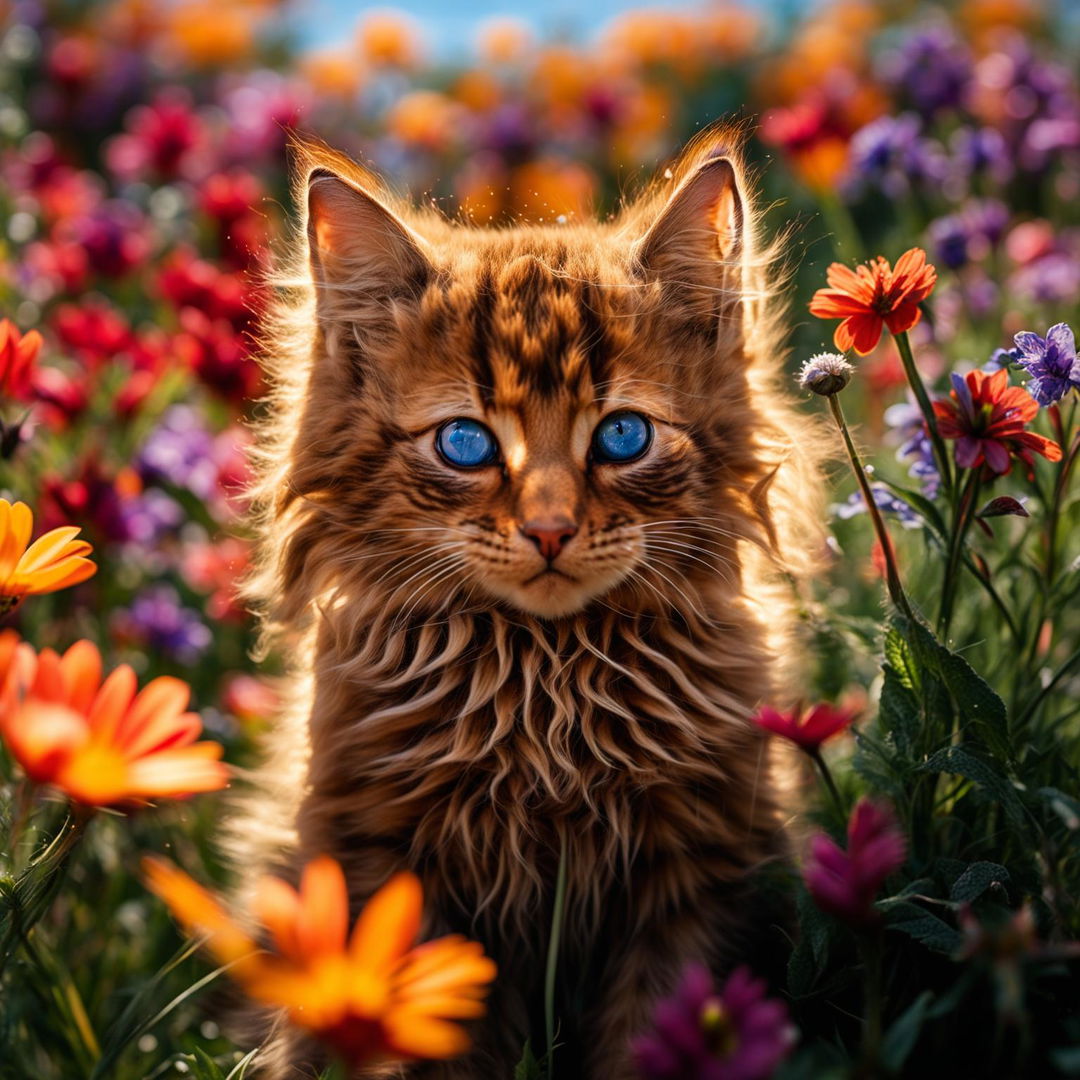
{"x": 358, "y": 249}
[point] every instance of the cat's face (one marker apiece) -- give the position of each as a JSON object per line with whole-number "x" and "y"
{"x": 542, "y": 418}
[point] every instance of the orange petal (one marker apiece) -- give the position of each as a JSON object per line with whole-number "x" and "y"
{"x": 162, "y": 699}
{"x": 94, "y": 775}
{"x": 389, "y": 923}
{"x": 48, "y": 682}
{"x": 324, "y": 908}
{"x": 111, "y": 703}
{"x": 412, "y": 1035}
{"x": 276, "y": 905}
{"x": 80, "y": 668}
{"x": 162, "y": 732}
{"x": 46, "y": 548}
{"x": 173, "y": 774}
{"x": 42, "y": 737}
{"x": 10, "y": 550}
{"x": 61, "y": 574}
{"x": 197, "y": 910}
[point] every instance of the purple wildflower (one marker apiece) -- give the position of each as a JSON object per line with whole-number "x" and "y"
{"x": 981, "y": 152}
{"x": 887, "y": 503}
{"x": 159, "y": 621}
{"x": 932, "y": 69}
{"x": 1001, "y": 358}
{"x": 1052, "y": 279}
{"x": 845, "y": 883}
{"x": 891, "y": 153}
{"x": 699, "y": 1034}
{"x": 949, "y": 237}
{"x": 180, "y": 452}
{"x": 150, "y": 515}
{"x": 1051, "y": 362}
{"x": 908, "y": 426}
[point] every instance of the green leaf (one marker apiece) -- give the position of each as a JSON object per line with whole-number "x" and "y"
{"x": 921, "y": 505}
{"x": 204, "y": 1066}
{"x": 901, "y": 1037}
{"x": 528, "y": 1068}
{"x": 809, "y": 958}
{"x": 925, "y": 927}
{"x": 976, "y": 879}
{"x": 959, "y": 761}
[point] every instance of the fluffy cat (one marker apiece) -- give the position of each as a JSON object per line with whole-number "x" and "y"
{"x": 525, "y": 495}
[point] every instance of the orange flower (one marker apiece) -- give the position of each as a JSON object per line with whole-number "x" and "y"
{"x": 17, "y": 355}
{"x": 101, "y": 743}
{"x": 53, "y": 561}
{"x": 371, "y": 995}
{"x": 874, "y": 296}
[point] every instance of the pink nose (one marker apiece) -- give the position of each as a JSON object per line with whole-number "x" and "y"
{"x": 550, "y": 535}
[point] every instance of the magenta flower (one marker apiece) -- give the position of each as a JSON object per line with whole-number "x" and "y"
{"x": 699, "y": 1034}
{"x": 845, "y": 883}
{"x": 807, "y": 728}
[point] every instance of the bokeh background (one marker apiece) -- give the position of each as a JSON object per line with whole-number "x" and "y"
{"x": 143, "y": 179}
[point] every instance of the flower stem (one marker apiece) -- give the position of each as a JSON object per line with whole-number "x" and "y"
{"x": 941, "y": 455}
{"x": 892, "y": 576}
{"x": 830, "y": 783}
{"x": 557, "y": 914}
{"x": 965, "y": 514}
{"x": 870, "y": 951}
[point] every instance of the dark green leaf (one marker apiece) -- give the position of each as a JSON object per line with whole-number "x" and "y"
{"x": 920, "y": 924}
{"x": 528, "y": 1068}
{"x": 976, "y": 879}
{"x": 901, "y": 1037}
{"x": 958, "y": 761}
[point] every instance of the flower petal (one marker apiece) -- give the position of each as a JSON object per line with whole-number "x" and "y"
{"x": 324, "y": 908}
{"x": 389, "y": 923}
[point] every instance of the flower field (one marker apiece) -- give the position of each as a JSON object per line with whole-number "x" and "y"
{"x": 924, "y": 162}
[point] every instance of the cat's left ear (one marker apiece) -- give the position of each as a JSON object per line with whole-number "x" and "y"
{"x": 697, "y": 240}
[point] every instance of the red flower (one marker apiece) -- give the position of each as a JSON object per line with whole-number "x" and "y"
{"x": 808, "y": 728}
{"x": 845, "y": 883}
{"x": 987, "y": 417}
{"x": 17, "y": 355}
{"x": 92, "y": 331}
{"x": 874, "y": 296}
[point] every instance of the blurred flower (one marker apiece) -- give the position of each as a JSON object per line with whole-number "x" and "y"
{"x": 250, "y": 699}
{"x": 53, "y": 561}
{"x": 874, "y": 296}
{"x": 92, "y": 494}
{"x": 100, "y": 742}
{"x": 206, "y": 33}
{"x": 1002, "y": 358}
{"x": 92, "y": 330}
{"x": 547, "y": 189}
{"x": 158, "y": 620}
{"x": 806, "y": 728}
{"x": 825, "y": 374}
{"x": 987, "y": 417}
{"x": 332, "y": 72}
{"x": 845, "y": 883}
{"x": 981, "y": 151}
{"x": 160, "y": 138}
{"x": 389, "y": 38}
{"x": 909, "y": 428}
{"x": 700, "y": 1034}
{"x": 424, "y": 118}
{"x": 217, "y": 569}
{"x": 18, "y": 354}
{"x": 503, "y": 40}
{"x": 371, "y": 995}
{"x": 932, "y": 70}
{"x": 892, "y": 154}
{"x": 1050, "y": 361}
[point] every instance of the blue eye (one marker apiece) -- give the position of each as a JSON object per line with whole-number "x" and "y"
{"x": 466, "y": 444}
{"x": 622, "y": 436}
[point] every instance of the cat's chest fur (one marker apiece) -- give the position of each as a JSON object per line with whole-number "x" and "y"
{"x": 479, "y": 745}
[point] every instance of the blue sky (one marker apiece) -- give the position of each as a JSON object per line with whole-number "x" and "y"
{"x": 449, "y": 24}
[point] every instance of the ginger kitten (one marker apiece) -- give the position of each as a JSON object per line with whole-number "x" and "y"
{"x": 524, "y": 493}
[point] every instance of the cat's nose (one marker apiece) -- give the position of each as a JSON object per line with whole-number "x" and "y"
{"x": 550, "y": 535}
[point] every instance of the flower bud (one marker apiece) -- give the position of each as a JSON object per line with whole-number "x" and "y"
{"x": 825, "y": 373}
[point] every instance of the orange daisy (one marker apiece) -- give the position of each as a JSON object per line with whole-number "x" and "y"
{"x": 874, "y": 296}
{"x": 100, "y": 742}
{"x": 53, "y": 561}
{"x": 371, "y": 995}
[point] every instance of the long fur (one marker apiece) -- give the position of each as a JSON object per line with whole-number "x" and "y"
{"x": 434, "y": 722}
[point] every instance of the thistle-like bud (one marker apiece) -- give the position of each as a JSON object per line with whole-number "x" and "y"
{"x": 826, "y": 374}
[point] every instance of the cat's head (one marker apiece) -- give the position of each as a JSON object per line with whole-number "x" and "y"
{"x": 536, "y": 417}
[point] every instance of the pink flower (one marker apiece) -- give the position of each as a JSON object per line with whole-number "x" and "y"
{"x": 844, "y": 883}
{"x": 808, "y": 728}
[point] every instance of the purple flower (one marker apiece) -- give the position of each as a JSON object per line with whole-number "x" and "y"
{"x": 844, "y": 883}
{"x": 1001, "y": 358}
{"x": 892, "y": 153}
{"x": 949, "y": 238}
{"x": 1052, "y": 279}
{"x": 932, "y": 69}
{"x": 699, "y": 1034}
{"x": 1051, "y": 362}
{"x": 150, "y": 515}
{"x": 909, "y": 427}
{"x": 981, "y": 151}
{"x": 158, "y": 620}
{"x": 180, "y": 451}
{"x": 886, "y": 502}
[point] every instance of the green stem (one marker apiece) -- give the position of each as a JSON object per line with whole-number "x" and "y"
{"x": 892, "y": 576}
{"x": 557, "y": 913}
{"x": 1002, "y": 607}
{"x": 965, "y": 514}
{"x": 1060, "y": 486}
{"x": 826, "y": 775}
{"x": 870, "y": 951}
{"x": 1039, "y": 698}
{"x": 941, "y": 455}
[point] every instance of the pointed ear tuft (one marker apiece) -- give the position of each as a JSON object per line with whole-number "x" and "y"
{"x": 355, "y": 242}
{"x": 699, "y": 233}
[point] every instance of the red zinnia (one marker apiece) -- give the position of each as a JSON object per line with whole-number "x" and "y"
{"x": 987, "y": 417}
{"x": 808, "y": 728}
{"x": 873, "y": 296}
{"x": 18, "y": 354}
